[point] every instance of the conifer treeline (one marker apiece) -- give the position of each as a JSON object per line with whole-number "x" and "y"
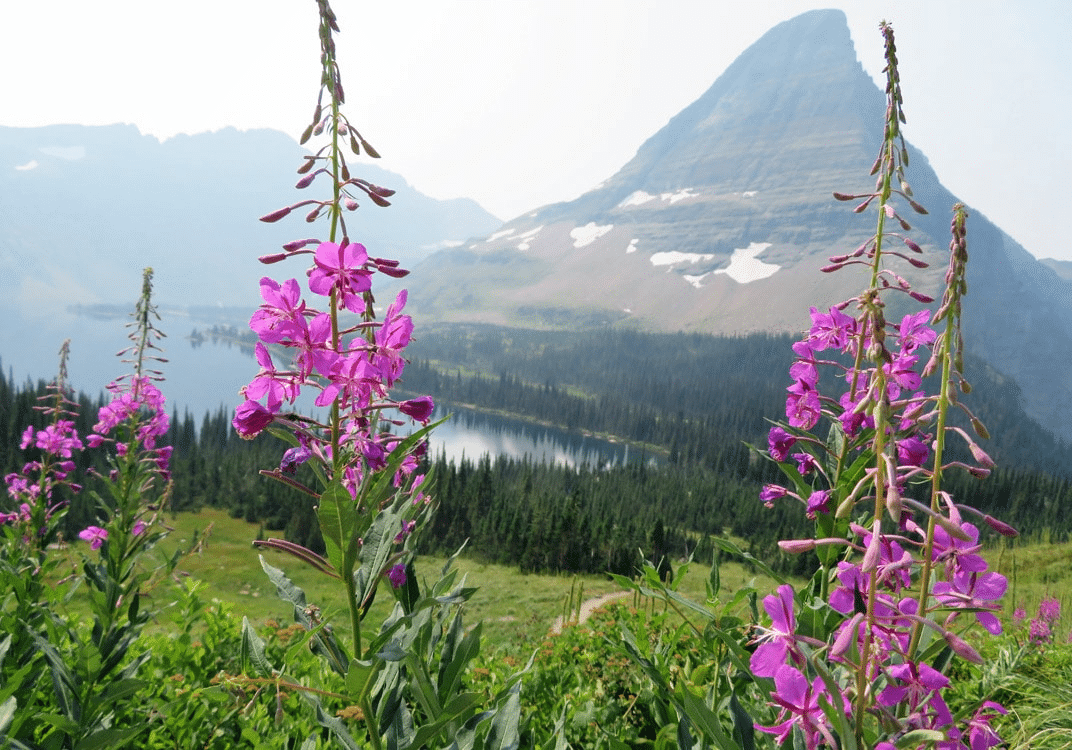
{"x": 698, "y": 399}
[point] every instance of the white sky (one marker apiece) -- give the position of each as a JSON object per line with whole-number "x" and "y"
{"x": 520, "y": 103}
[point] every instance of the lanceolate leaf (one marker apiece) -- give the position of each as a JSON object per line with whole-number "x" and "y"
{"x": 338, "y": 517}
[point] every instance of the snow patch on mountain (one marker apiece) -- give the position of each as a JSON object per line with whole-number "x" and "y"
{"x": 500, "y": 235}
{"x": 680, "y": 195}
{"x": 745, "y": 267}
{"x": 637, "y": 198}
{"x": 589, "y": 233}
{"x": 674, "y": 258}
{"x": 640, "y": 197}
{"x": 632, "y": 246}
{"x": 527, "y": 238}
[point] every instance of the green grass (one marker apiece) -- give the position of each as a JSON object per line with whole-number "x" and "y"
{"x": 516, "y": 608}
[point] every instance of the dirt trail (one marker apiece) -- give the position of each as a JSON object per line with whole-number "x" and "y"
{"x": 588, "y": 607}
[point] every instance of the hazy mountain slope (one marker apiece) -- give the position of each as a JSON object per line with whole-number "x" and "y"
{"x": 722, "y": 220}
{"x": 86, "y": 208}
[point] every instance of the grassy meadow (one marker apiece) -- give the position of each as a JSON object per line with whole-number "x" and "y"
{"x": 517, "y": 609}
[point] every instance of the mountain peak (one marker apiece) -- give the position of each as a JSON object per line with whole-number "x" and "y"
{"x": 724, "y": 218}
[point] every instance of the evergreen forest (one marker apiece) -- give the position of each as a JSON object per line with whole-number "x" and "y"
{"x": 700, "y": 402}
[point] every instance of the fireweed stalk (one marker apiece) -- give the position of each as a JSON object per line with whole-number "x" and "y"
{"x": 33, "y": 492}
{"x": 897, "y": 576}
{"x": 345, "y": 355}
{"x": 85, "y": 671}
{"x": 404, "y": 680}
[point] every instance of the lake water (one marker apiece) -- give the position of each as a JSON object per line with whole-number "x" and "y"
{"x": 474, "y": 434}
{"x": 206, "y": 377}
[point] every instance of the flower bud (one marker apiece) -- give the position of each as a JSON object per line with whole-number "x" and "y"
{"x": 1000, "y": 526}
{"x": 273, "y": 258}
{"x": 848, "y": 634}
{"x": 299, "y": 244}
{"x": 276, "y": 215}
{"x": 961, "y": 648}
{"x": 796, "y": 546}
{"x": 305, "y": 181}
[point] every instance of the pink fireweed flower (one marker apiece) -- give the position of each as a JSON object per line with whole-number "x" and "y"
{"x": 802, "y": 405}
{"x": 901, "y": 375}
{"x": 975, "y": 591}
{"x": 277, "y": 386}
{"x": 914, "y": 331}
{"x": 772, "y": 492}
{"x": 918, "y": 687}
{"x": 250, "y": 419}
{"x": 805, "y": 463}
{"x": 799, "y": 703}
{"x": 391, "y": 338}
{"x": 352, "y": 383}
{"x": 342, "y": 269}
{"x": 1050, "y": 609}
{"x": 912, "y": 451}
{"x": 281, "y": 317}
{"x": 779, "y": 640}
{"x": 95, "y": 535}
{"x": 314, "y": 350}
{"x": 779, "y": 441}
{"x": 818, "y": 502}
{"x": 59, "y": 439}
{"x": 419, "y": 409}
{"x": 397, "y": 576}
{"x": 981, "y": 736}
{"x": 831, "y": 330}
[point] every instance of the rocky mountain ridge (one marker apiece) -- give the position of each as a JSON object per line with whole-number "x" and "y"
{"x": 724, "y": 218}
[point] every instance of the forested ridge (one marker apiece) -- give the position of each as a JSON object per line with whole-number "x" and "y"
{"x": 698, "y": 400}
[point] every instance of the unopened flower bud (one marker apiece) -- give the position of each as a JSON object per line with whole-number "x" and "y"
{"x": 848, "y": 634}
{"x": 874, "y": 548}
{"x": 961, "y": 648}
{"x": 276, "y": 215}
{"x": 299, "y": 244}
{"x": 796, "y": 546}
{"x": 305, "y": 181}
{"x": 273, "y": 258}
{"x": 1000, "y": 526}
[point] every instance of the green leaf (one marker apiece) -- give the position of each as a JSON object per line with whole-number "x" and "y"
{"x": 453, "y": 711}
{"x": 376, "y": 549}
{"x": 7, "y": 713}
{"x": 703, "y": 718}
{"x": 284, "y": 587}
{"x": 253, "y": 650}
{"x": 337, "y": 515}
{"x": 455, "y": 660}
{"x": 109, "y": 738}
{"x": 357, "y": 677}
{"x": 503, "y": 733}
{"x": 744, "y": 730}
{"x": 336, "y": 727}
{"x": 917, "y": 737}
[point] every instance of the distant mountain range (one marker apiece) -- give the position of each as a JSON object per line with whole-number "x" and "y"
{"x": 722, "y": 220}
{"x": 84, "y": 209}
{"x": 719, "y": 224}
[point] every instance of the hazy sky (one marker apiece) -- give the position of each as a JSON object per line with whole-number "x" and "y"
{"x": 519, "y": 103}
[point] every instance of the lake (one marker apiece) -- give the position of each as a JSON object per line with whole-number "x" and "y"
{"x": 206, "y": 377}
